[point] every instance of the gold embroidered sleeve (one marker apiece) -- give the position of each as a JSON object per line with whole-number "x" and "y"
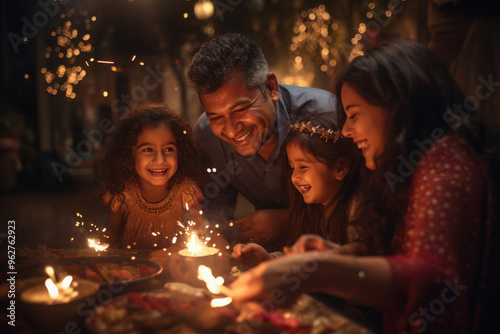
{"x": 191, "y": 194}
{"x": 114, "y": 201}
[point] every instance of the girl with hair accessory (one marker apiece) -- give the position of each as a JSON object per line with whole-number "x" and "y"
{"x": 149, "y": 175}
{"x": 320, "y": 175}
{"x": 428, "y": 202}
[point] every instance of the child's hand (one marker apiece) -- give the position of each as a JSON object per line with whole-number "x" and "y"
{"x": 161, "y": 257}
{"x": 250, "y": 254}
{"x": 309, "y": 242}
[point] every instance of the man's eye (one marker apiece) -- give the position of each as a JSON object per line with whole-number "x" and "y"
{"x": 353, "y": 117}
{"x": 147, "y": 150}
{"x": 169, "y": 149}
{"x": 215, "y": 119}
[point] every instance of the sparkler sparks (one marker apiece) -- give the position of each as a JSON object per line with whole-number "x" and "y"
{"x": 97, "y": 245}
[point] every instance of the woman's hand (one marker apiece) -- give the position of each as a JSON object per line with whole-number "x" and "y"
{"x": 309, "y": 242}
{"x": 250, "y": 254}
{"x": 280, "y": 281}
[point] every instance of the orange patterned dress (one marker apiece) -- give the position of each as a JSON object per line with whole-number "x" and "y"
{"x": 153, "y": 225}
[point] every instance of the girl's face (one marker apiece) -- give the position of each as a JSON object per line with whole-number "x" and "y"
{"x": 365, "y": 124}
{"x": 155, "y": 155}
{"x": 317, "y": 182}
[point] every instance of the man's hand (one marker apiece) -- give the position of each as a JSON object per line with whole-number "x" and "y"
{"x": 250, "y": 254}
{"x": 262, "y": 227}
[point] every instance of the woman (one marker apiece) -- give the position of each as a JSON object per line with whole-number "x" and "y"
{"x": 427, "y": 201}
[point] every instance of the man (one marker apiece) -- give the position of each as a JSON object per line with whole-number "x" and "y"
{"x": 247, "y": 116}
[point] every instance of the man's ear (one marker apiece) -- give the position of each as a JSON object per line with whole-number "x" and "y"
{"x": 272, "y": 87}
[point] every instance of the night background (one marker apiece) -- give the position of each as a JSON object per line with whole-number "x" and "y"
{"x": 71, "y": 68}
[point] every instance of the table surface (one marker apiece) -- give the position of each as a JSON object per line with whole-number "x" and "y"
{"x": 309, "y": 309}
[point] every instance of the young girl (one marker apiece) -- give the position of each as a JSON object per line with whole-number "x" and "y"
{"x": 320, "y": 174}
{"x": 429, "y": 201}
{"x": 149, "y": 175}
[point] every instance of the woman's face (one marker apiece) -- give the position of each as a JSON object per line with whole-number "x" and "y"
{"x": 365, "y": 124}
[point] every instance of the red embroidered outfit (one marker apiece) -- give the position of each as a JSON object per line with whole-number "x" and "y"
{"x": 438, "y": 251}
{"x": 151, "y": 225}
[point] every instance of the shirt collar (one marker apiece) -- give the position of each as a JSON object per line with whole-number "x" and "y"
{"x": 283, "y": 124}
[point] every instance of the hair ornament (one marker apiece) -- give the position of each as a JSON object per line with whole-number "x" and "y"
{"x": 303, "y": 127}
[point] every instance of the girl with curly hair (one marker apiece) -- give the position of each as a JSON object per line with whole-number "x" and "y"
{"x": 149, "y": 176}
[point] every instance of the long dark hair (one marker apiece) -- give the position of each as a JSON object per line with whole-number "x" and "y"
{"x": 310, "y": 218}
{"x": 117, "y": 167}
{"x": 423, "y": 102}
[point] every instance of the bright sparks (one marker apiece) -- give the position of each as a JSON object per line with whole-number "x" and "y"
{"x": 97, "y": 245}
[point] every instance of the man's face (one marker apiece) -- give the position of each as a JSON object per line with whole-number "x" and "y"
{"x": 242, "y": 117}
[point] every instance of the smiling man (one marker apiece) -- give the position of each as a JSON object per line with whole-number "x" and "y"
{"x": 247, "y": 116}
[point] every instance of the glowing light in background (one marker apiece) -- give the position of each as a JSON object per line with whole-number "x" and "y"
{"x": 70, "y": 43}
{"x": 318, "y": 42}
{"x": 203, "y": 9}
{"x": 311, "y": 41}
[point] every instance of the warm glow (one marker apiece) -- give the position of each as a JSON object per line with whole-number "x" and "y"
{"x": 203, "y": 9}
{"x": 97, "y": 245}
{"x": 197, "y": 248}
{"x": 219, "y": 302}
{"x": 104, "y": 61}
{"x": 214, "y": 285}
{"x": 52, "y": 288}
{"x": 66, "y": 282}
{"x": 50, "y": 272}
{"x": 59, "y": 291}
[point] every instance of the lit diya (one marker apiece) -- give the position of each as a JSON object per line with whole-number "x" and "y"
{"x": 53, "y": 304}
{"x": 197, "y": 253}
{"x": 196, "y": 248}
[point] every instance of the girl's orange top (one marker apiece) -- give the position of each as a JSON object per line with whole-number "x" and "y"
{"x": 153, "y": 225}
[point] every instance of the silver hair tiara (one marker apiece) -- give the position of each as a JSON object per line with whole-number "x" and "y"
{"x": 303, "y": 127}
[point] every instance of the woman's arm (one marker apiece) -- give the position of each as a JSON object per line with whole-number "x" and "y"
{"x": 310, "y": 242}
{"x": 365, "y": 279}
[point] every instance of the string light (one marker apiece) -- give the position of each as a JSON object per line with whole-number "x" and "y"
{"x": 70, "y": 44}
{"x": 310, "y": 44}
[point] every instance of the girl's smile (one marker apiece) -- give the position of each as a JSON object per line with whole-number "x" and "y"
{"x": 155, "y": 155}
{"x": 316, "y": 181}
